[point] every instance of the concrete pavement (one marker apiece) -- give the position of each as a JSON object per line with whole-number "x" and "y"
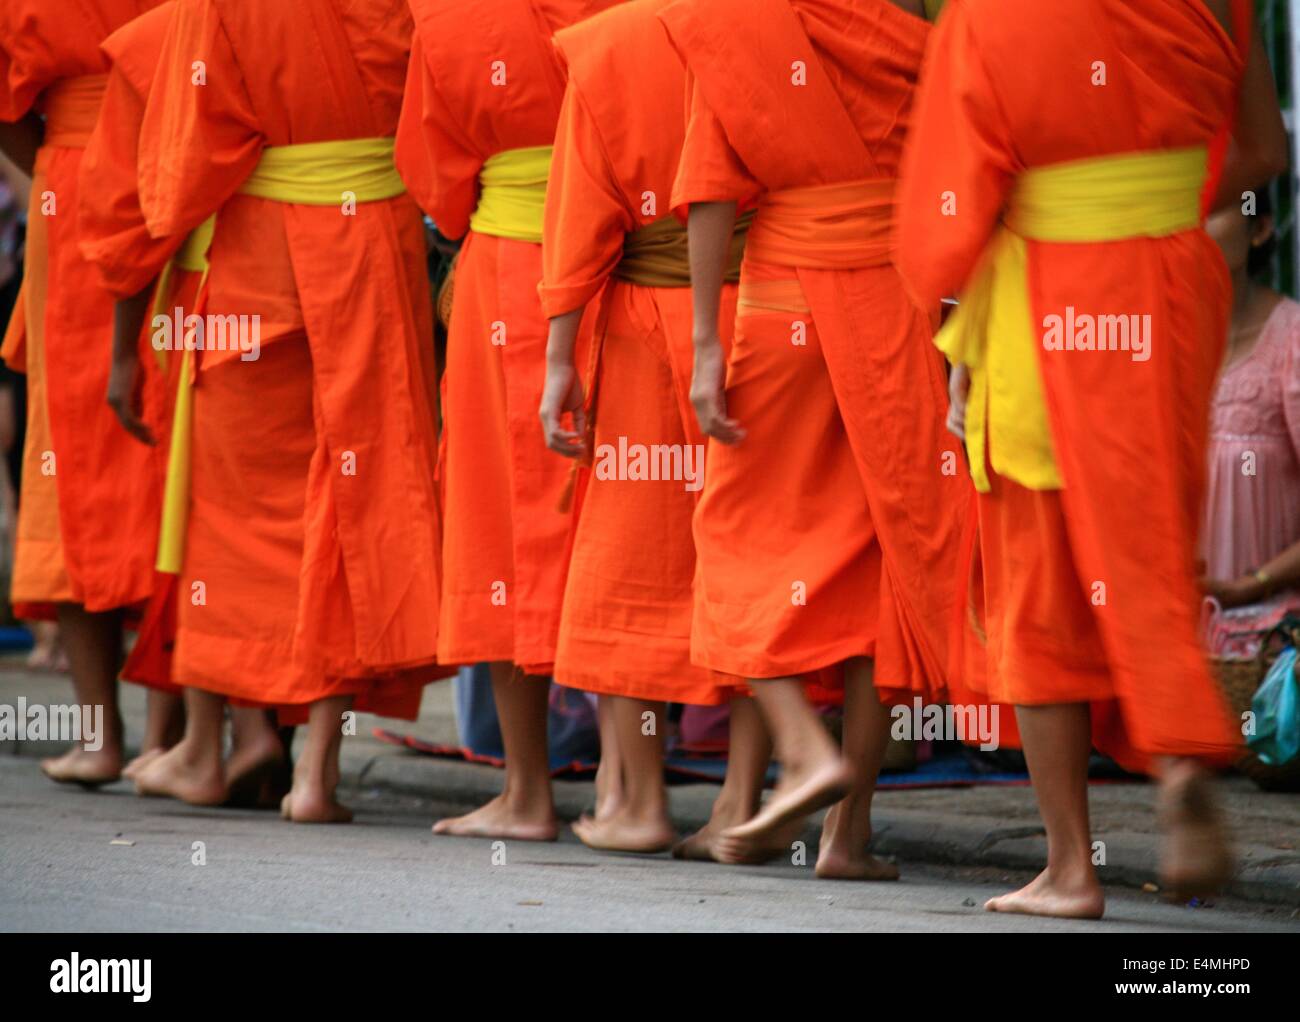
{"x": 956, "y": 846}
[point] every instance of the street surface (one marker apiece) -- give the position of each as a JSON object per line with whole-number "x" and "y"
{"x": 63, "y": 871}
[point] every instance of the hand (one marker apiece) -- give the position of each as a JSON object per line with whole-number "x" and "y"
{"x": 123, "y": 394}
{"x": 1236, "y": 593}
{"x": 958, "y": 391}
{"x": 562, "y": 392}
{"x": 709, "y": 394}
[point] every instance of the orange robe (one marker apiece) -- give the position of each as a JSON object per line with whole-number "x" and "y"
{"x": 488, "y": 81}
{"x": 89, "y": 492}
{"x": 116, "y": 242}
{"x": 310, "y": 566}
{"x": 626, "y": 624}
{"x": 1089, "y": 590}
{"x": 832, "y": 529}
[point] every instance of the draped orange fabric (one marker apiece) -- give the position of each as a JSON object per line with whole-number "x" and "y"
{"x": 312, "y": 546}
{"x": 832, "y": 529}
{"x": 88, "y": 492}
{"x": 490, "y": 82}
{"x": 1089, "y": 591}
{"x": 626, "y": 623}
{"x": 126, "y": 258}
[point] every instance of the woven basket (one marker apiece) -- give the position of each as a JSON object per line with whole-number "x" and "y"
{"x": 1239, "y": 679}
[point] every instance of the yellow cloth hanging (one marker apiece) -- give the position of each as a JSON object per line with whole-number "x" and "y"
{"x": 992, "y": 331}
{"x": 513, "y": 194}
{"x": 309, "y": 174}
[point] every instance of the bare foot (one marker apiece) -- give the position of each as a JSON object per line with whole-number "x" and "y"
{"x": 846, "y": 836}
{"x": 834, "y": 864}
{"x": 793, "y": 800}
{"x": 1047, "y": 895}
{"x": 1195, "y": 858}
{"x": 251, "y": 769}
{"x": 621, "y": 832}
{"x": 79, "y": 766}
{"x": 178, "y": 773}
{"x": 702, "y": 845}
{"x": 312, "y": 804}
{"x": 497, "y": 819}
{"x": 136, "y": 765}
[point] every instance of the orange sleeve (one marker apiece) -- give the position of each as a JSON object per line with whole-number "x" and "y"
{"x": 710, "y": 169}
{"x": 410, "y": 153}
{"x": 200, "y": 138}
{"x": 454, "y": 162}
{"x": 586, "y": 214}
{"x": 958, "y": 165}
{"x": 111, "y": 228}
{"x": 19, "y": 85}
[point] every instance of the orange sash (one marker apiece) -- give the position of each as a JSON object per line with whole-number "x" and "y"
{"x": 71, "y": 108}
{"x": 843, "y": 226}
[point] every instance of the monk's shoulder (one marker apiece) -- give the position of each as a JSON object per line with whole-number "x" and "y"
{"x": 135, "y": 48}
{"x": 627, "y": 31}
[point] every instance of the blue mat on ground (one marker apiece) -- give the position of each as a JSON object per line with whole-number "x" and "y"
{"x": 16, "y": 638}
{"x": 947, "y": 770}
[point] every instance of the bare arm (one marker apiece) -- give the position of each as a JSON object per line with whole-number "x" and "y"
{"x": 1258, "y": 151}
{"x": 709, "y": 230}
{"x": 124, "y": 373}
{"x": 562, "y": 391}
{"x": 20, "y": 139}
{"x": 1282, "y": 572}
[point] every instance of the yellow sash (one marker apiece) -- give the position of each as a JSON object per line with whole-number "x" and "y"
{"x": 992, "y": 331}
{"x": 310, "y": 174}
{"x": 658, "y": 254}
{"x": 326, "y": 173}
{"x": 512, "y": 194}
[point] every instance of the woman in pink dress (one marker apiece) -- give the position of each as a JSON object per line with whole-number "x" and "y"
{"x": 1251, "y": 536}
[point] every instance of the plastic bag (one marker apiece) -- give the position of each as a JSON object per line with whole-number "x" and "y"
{"x": 1277, "y": 713}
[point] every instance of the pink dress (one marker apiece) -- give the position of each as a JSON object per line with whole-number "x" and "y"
{"x": 1252, "y": 508}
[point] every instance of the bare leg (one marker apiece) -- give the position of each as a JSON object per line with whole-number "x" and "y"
{"x": 94, "y": 646}
{"x": 255, "y": 753}
{"x": 640, "y": 822}
{"x": 163, "y": 727}
{"x": 1057, "y": 740}
{"x": 846, "y": 832}
{"x": 609, "y": 774}
{"x": 524, "y": 809}
{"x": 45, "y": 647}
{"x": 748, "y": 755}
{"x": 191, "y": 770}
{"x": 313, "y": 797}
{"x": 1195, "y": 858}
{"x": 813, "y": 774}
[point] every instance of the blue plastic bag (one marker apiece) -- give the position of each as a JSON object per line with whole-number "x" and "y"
{"x": 1277, "y": 713}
